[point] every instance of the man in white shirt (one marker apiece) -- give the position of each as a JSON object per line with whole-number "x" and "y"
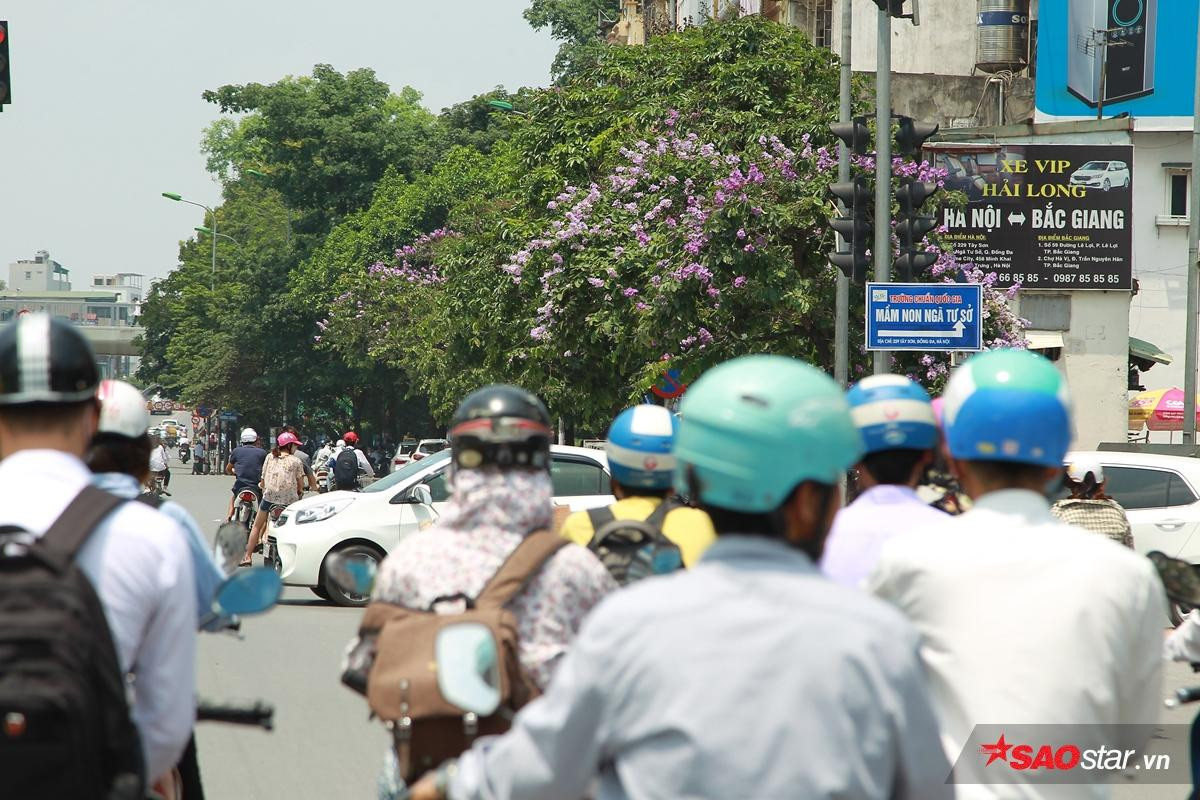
{"x": 899, "y": 432}
{"x": 137, "y": 559}
{"x": 1024, "y": 620}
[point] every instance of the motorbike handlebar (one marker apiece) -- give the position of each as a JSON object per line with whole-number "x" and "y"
{"x": 260, "y": 714}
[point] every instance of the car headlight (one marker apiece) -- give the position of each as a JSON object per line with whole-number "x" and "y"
{"x": 322, "y": 511}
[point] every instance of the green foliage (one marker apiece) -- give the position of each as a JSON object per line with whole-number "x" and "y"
{"x": 578, "y": 24}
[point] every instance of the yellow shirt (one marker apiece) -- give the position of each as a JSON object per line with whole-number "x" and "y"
{"x": 689, "y": 529}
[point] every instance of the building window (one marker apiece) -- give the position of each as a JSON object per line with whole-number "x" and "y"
{"x": 28, "y": 276}
{"x": 1178, "y": 191}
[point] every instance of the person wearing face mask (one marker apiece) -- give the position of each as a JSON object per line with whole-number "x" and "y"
{"x": 500, "y": 492}
{"x": 749, "y": 674}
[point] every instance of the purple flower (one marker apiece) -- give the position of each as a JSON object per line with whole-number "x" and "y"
{"x": 596, "y": 282}
{"x": 741, "y": 234}
{"x": 630, "y": 292}
{"x": 618, "y": 252}
{"x": 642, "y": 306}
{"x": 539, "y": 333}
{"x": 704, "y": 336}
{"x": 556, "y": 258}
{"x": 739, "y": 281}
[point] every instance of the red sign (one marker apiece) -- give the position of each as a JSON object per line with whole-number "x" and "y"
{"x": 669, "y": 385}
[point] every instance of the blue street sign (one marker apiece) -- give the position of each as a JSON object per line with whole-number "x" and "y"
{"x": 924, "y": 316}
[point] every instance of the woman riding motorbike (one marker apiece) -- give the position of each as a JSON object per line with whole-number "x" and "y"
{"x": 282, "y": 483}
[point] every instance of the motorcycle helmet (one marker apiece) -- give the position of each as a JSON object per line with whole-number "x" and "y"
{"x": 249, "y": 436}
{"x": 639, "y": 447}
{"x": 756, "y": 427}
{"x": 122, "y": 410}
{"x": 892, "y": 412}
{"x": 44, "y": 360}
{"x": 351, "y": 437}
{"x": 1082, "y": 466}
{"x": 286, "y": 438}
{"x": 503, "y": 426}
{"x": 340, "y": 444}
{"x": 1008, "y": 405}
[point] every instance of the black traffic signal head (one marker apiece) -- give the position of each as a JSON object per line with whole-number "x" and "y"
{"x": 912, "y": 135}
{"x": 5, "y": 82}
{"x": 852, "y": 194}
{"x": 854, "y": 134}
{"x": 911, "y": 194}
{"x": 855, "y": 228}
{"x": 894, "y": 8}
{"x": 910, "y": 265}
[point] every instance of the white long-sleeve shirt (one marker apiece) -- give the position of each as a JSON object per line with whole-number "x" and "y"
{"x": 1024, "y": 621}
{"x": 139, "y": 564}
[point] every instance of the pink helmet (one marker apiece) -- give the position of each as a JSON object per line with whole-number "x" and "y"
{"x": 286, "y": 438}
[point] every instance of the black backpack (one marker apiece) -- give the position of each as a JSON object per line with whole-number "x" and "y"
{"x": 345, "y": 470}
{"x": 65, "y": 728}
{"x": 633, "y": 549}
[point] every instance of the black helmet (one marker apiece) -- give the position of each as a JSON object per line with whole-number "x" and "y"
{"x": 44, "y": 360}
{"x": 500, "y": 425}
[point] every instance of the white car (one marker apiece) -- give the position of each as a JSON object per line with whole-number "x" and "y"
{"x": 1102, "y": 175}
{"x": 374, "y": 520}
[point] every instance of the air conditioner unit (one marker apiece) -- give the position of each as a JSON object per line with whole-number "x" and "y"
{"x": 1126, "y": 29}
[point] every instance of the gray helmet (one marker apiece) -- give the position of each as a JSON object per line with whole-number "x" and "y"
{"x": 45, "y": 360}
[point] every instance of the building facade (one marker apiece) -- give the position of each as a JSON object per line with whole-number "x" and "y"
{"x": 40, "y": 274}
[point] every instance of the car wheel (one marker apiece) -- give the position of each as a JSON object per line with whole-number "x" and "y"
{"x": 1105, "y": 186}
{"x": 320, "y": 592}
{"x": 337, "y": 595}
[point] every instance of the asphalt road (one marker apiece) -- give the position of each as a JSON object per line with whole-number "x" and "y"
{"x": 323, "y": 746}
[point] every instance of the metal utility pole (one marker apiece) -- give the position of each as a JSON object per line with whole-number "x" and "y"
{"x": 841, "y": 325}
{"x": 1189, "y": 358}
{"x": 883, "y": 165}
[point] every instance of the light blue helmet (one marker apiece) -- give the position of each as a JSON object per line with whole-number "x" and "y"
{"x": 1008, "y": 405}
{"x": 639, "y": 447}
{"x": 892, "y": 413}
{"x": 756, "y": 427}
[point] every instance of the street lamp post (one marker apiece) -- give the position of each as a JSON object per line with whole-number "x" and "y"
{"x": 179, "y": 199}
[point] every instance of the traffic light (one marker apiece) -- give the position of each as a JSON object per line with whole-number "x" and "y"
{"x": 895, "y": 8}
{"x": 855, "y": 228}
{"x": 911, "y": 136}
{"x": 854, "y": 134}
{"x": 911, "y": 227}
{"x": 5, "y": 82}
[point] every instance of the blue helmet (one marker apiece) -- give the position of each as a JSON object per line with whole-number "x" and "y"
{"x": 639, "y": 447}
{"x": 756, "y": 427}
{"x": 1008, "y": 405}
{"x": 892, "y": 412}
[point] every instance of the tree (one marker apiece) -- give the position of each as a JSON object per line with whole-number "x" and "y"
{"x": 580, "y": 26}
{"x": 324, "y": 140}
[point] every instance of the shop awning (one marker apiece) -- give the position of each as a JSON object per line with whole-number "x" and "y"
{"x": 1043, "y": 340}
{"x": 1147, "y": 351}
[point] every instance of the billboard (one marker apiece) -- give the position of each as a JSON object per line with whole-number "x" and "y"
{"x": 1050, "y": 216}
{"x": 1136, "y": 56}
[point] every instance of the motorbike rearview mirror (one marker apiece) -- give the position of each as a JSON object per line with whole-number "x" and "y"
{"x": 249, "y": 591}
{"x": 1179, "y": 578}
{"x": 418, "y": 494}
{"x": 353, "y": 572}
{"x": 468, "y": 667}
{"x": 230, "y": 545}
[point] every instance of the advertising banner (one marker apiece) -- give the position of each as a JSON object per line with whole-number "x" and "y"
{"x": 1136, "y": 56}
{"x": 1051, "y": 216}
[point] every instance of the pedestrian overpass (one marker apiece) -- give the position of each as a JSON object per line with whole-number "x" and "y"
{"x": 112, "y": 340}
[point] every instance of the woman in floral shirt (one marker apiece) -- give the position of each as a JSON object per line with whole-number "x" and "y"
{"x": 282, "y": 484}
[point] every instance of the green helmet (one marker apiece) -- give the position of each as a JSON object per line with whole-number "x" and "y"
{"x": 756, "y": 427}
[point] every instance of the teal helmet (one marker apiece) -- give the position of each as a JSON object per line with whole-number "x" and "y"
{"x": 1008, "y": 405}
{"x": 756, "y": 427}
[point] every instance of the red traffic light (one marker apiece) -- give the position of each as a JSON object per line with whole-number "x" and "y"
{"x": 3, "y": 31}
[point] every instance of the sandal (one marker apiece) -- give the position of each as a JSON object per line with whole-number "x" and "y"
{"x": 246, "y": 563}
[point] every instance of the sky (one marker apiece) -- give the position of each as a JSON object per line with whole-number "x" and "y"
{"x": 107, "y": 113}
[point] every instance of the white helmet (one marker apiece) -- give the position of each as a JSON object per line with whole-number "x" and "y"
{"x": 1078, "y": 469}
{"x": 122, "y": 410}
{"x": 249, "y": 436}
{"x": 340, "y": 443}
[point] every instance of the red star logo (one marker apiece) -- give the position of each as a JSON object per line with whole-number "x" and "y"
{"x": 890, "y": 413}
{"x": 650, "y": 463}
{"x": 997, "y": 751}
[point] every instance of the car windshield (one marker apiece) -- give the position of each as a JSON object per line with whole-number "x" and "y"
{"x": 1095, "y": 165}
{"x": 433, "y": 447}
{"x": 407, "y": 447}
{"x": 404, "y": 473}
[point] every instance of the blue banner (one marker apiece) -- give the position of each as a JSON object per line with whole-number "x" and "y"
{"x": 924, "y": 316}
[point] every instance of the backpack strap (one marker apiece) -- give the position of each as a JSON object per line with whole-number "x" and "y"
{"x": 524, "y": 562}
{"x": 77, "y": 522}
{"x": 600, "y": 517}
{"x": 659, "y": 515}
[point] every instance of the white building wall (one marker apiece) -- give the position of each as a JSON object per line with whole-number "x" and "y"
{"x": 943, "y": 44}
{"x": 1157, "y": 312}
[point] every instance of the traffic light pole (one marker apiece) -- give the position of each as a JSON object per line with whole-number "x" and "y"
{"x": 882, "y": 251}
{"x": 1189, "y": 350}
{"x": 841, "y": 325}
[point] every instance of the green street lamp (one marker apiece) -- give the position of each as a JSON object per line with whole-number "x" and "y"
{"x": 507, "y": 107}
{"x": 262, "y": 176}
{"x": 179, "y": 199}
{"x": 204, "y": 229}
